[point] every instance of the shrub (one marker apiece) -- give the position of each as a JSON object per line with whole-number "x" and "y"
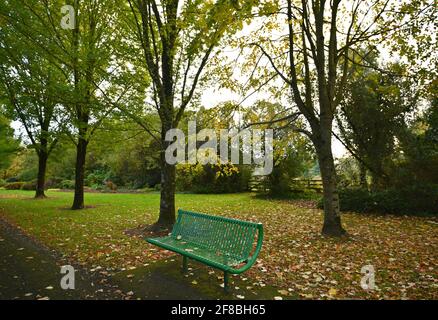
{"x": 67, "y": 184}
{"x": 277, "y": 183}
{"x": 54, "y": 182}
{"x": 111, "y": 185}
{"x": 14, "y": 186}
{"x": 2, "y": 183}
{"x": 29, "y": 186}
{"x": 28, "y": 174}
{"x": 412, "y": 199}
{"x": 97, "y": 177}
{"x": 357, "y": 200}
{"x": 97, "y": 187}
{"x": 217, "y": 178}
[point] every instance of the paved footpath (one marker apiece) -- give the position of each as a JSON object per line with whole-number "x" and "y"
{"x": 28, "y": 270}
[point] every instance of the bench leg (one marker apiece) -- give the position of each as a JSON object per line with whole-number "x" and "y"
{"x": 185, "y": 265}
{"x": 226, "y": 280}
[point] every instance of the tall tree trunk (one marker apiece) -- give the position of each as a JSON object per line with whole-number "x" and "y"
{"x": 332, "y": 219}
{"x": 81, "y": 153}
{"x": 167, "y": 199}
{"x": 363, "y": 176}
{"x": 378, "y": 180}
{"x": 41, "y": 180}
{"x": 168, "y": 176}
{"x": 375, "y": 184}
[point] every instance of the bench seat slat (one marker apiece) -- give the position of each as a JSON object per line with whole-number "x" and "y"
{"x": 230, "y": 236}
{"x": 196, "y": 252}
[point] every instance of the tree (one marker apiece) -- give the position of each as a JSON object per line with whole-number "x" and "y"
{"x": 9, "y": 145}
{"x": 314, "y": 58}
{"x": 292, "y": 153}
{"x": 177, "y": 39}
{"x": 372, "y": 115}
{"x": 418, "y": 141}
{"x": 81, "y": 43}
{"x": 30, "y": 85}
{"x": 125, "y": 154}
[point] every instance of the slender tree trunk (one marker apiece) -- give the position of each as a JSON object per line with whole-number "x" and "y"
{"x": 375, "y": 184}
{"x": 363, "y": 176}
{"x": 332, "y": 219}
{"x": 81, "y": 153}
{"x": 378, "y": 181}
{"x": 167, "y": 199}
{"x": 41, "y": 180}
{"x": 168, "y": 176}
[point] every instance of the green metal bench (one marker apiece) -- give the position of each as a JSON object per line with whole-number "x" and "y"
{"x": 223, "y": 243}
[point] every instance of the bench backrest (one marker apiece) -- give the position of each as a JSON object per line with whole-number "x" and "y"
{"x": 227, "y": 236}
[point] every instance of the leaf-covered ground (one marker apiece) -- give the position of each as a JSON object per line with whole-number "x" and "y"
{"x": 295, "y": 257}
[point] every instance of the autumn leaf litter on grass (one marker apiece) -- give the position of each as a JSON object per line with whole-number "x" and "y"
{"x": 295, "y": 258}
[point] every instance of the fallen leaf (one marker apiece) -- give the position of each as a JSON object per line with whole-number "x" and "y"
{"x": 332, "y": 292}
{"x": 283, "y": 292}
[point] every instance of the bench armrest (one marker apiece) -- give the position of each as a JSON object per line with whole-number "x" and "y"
{"x": 253, "y": 258}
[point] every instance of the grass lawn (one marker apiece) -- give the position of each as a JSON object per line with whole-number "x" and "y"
{"x": 295, "y": 257}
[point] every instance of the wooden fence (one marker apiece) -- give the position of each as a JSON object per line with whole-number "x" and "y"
{"x": 257, "y": 184}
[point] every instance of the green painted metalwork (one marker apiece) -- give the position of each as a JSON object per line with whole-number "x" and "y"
{"x": 224, "y": 243}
